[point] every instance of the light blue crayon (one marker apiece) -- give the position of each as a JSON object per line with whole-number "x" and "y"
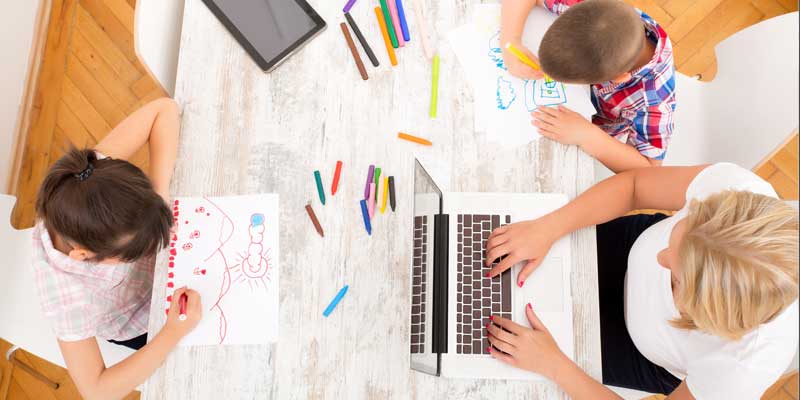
{"x": 335, "y": 301}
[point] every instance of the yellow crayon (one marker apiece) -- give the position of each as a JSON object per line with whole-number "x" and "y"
{"x": 522, "y": 57}
{"x": 385, "y": 194}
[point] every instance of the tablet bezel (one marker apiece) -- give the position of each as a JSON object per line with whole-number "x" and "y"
{"x": 269, "y": 65}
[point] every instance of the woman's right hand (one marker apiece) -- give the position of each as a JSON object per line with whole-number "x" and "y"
{"x": 517, "y": 67}
{"x": 526, "y": 240}
{"x": 194, "y": 312}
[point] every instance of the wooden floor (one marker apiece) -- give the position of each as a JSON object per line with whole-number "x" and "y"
{"x": 91, "y": 79}
{"x": 696, "y": 26}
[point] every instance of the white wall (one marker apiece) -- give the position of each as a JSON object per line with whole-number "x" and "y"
{"x": 17, "y": 22}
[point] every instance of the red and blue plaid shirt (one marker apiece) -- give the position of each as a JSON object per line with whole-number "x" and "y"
{"x": 639, "y": 111}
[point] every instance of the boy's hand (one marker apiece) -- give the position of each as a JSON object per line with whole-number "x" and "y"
{"x": 517, "y": 67}
{"x": 194, "y": 312}
{"x": 532, "y": 349}
{"x": 527, "y": 240}
{"x": 562, "y": 125}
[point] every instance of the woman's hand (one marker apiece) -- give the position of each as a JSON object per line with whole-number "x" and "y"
{"x": 517, "y": 67}
{"x": 194, "y": 312}
{"x": 533, "y": 349}
{"x": 527, "y": 240}
{"x": 562, "y": 125}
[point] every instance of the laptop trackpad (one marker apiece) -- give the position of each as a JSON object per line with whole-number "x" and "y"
{"x": 544, "y": 288}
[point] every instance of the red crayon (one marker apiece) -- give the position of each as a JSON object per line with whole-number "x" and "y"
{"x": 182, "y": 304}
{"x": 336, "y": 177}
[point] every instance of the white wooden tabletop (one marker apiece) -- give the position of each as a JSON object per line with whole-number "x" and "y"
{"x": 244, "y": 131}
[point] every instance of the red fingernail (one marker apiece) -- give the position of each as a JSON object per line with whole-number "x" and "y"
{"x": 486, "y": 275}
{"x": 489, "y": 349}
{"x": 520, "y": 283}
{"x": 491, "y": 318}
{"x": 529, "y": 306}
{"x": 169, "y": 298}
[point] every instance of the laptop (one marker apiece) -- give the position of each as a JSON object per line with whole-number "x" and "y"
{"x": 451, "y": 300}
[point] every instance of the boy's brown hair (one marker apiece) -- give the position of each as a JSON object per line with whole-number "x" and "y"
{"x": 107, "y": 206}
{"x": 593, "y": 41}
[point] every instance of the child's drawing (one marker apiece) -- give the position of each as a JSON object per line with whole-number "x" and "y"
{"x": 505, "y": 93}
{"x": 544, "y": 92}
{"x": 230, "y": 255}
{"x": 503, "y": 103}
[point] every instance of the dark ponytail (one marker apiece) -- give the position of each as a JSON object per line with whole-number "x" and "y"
{"x": 107, "y": 206}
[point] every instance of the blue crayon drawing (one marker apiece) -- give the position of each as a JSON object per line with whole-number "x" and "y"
{"x": 496, "y": 52}
{"x": 505, "y": 93}
{"x": 544, "y": 92}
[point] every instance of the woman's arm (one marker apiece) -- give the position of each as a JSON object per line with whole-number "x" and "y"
{"x": 662, "y": 188}
{"x": 94, "y": 381}
{"x": 156, "y": 122}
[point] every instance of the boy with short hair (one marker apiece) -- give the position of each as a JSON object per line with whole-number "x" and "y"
{"x": 626, "y": 58}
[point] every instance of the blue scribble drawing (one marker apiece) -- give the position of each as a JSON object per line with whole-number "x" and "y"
{"x": 546, "y": 92}
{"x": 505, "y": 93}
{"x": 496, "y": 52}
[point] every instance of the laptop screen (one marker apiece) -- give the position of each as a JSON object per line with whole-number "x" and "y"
{"x": 427, "y": 204}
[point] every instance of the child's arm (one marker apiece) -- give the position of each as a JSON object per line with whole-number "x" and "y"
{"x": 156, "y": 122}
{"x": 94, "y": 381}
{"x": 514, "y": 13}
{"x": 661, "y": 188}
{"x": 568, "y": 127}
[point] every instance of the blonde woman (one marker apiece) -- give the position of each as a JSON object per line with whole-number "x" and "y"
{"x": 700, "y": 305}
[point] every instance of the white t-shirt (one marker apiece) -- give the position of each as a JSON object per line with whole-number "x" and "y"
{"x": 713, "y": 367}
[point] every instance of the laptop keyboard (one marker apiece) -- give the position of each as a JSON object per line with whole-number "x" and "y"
{"x": 418, "y": 286}
{"x": 478, "y": 297}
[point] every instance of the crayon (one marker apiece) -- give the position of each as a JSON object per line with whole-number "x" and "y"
{"x": 386, "y": 40}
{"x": 369, "y": 179}
{"x": 422, "y": 25}
{"x": 401, "y": 13}
{"x": 391, "y": 193}
{"x": 389, "y": 26}
{"x": 415, "y": 139}
{"x": 335, "y": 301}
{"x": 354, "y": 52}
{"x": 396, "y": 23}
{"x": 314, "y": 220}
{"x": 371, "y": 200}
{"x": 348, "y": 6}
{"x": 336, "y": 174}
{"x": 434, "y": 86}
{"x": 362, "y": 40}
{"x": 377, "y": 176}
{"x": 365, "y": 215}
{"x": 385, "y": 195}
{"x": 182, "y": 303}
{"x": 320, "y": 190}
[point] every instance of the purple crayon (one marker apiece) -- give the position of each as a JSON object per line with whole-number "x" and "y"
{"x": 370, "y": 176}
{"x": 348, "y": 6}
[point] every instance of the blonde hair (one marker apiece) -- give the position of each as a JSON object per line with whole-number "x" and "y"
{"x": 739, "y": 262}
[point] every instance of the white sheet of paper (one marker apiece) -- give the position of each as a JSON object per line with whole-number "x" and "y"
{"x": 227, "y": 249}
{"x": 503, "y": 103}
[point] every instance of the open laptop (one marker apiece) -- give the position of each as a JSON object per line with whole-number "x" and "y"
{"x": 451, "y": 300}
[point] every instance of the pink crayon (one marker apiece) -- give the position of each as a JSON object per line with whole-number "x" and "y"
{"x": 396, "y": 22}
{"x": 371, "y": 200}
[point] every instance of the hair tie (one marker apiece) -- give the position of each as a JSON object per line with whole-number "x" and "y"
{"x": 84, "y": 175}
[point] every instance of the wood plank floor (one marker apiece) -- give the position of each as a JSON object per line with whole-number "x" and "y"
{"x": 91, "y": 79}
{"x": 696, "y": 26}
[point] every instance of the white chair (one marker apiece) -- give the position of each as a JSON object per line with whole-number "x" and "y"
{"x": 21, "y": 320}
{"x": 156, "y": 38}
{"x": 749, "y": 109}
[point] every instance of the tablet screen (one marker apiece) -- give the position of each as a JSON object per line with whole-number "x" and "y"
{"x": 271, "y": 28}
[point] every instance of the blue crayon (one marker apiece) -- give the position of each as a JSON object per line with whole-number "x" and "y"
{"x": 365, "y": 214}
{"x": 403, "y": 24}
{"x": 335, "y": 301}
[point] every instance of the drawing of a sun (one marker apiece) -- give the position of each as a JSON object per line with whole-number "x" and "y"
{"x": 253, "y": 266}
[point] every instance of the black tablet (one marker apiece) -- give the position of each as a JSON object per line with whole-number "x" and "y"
{"x": 270, "y": 30}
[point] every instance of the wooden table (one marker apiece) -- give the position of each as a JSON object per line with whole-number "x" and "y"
{"x": 244, "y": 131}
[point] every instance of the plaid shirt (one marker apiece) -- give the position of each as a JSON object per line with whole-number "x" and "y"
{"x": 639, "y": 111}
{"x": 84, "y": 300}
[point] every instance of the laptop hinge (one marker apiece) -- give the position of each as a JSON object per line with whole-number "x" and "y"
{"x": 440, "y": 266}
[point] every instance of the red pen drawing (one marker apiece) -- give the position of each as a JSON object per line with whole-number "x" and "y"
{"x": 228, "y": 258}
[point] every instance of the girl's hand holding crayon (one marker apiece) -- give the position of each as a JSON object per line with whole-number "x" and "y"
{"x": 193, "y": 311}
{"x": 532, "y": 349}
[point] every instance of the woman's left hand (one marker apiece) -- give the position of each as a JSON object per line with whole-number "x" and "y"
{"x": 532, "y": 349}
